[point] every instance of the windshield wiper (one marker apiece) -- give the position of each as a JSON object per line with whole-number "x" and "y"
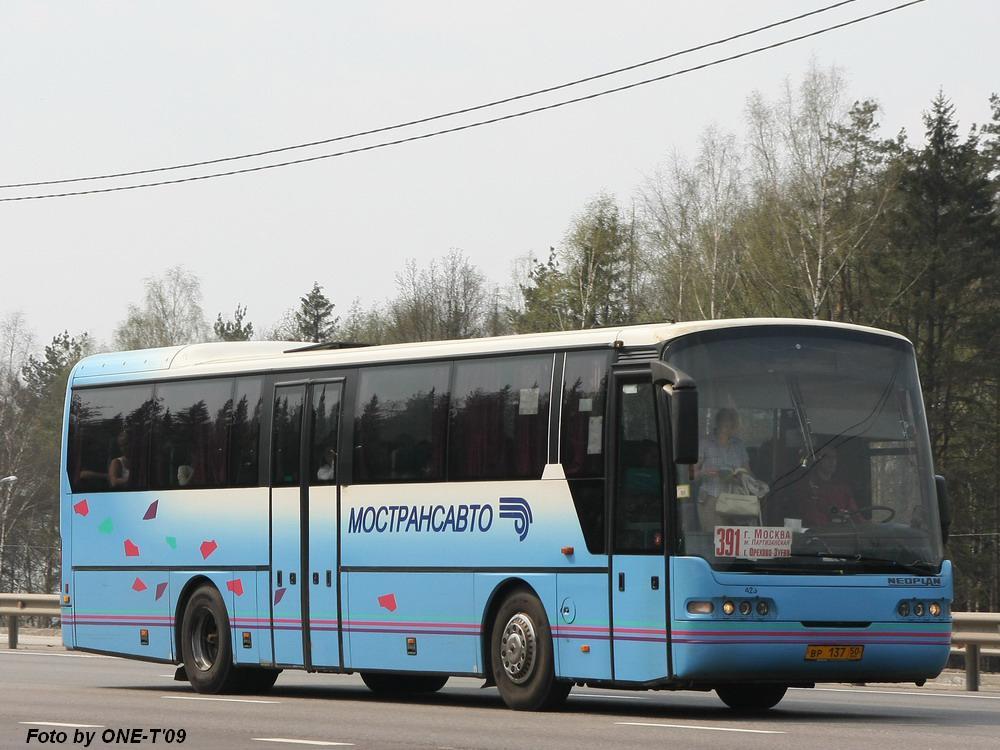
{"x": 866, "y": 562}
{"x": 917, "y": 566}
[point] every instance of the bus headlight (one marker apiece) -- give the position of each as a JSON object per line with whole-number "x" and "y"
{"x": 745, "y": 608}
{"x": 700, "y": 608}
{"x": 935, "y": 609}
{"x": 918, "y": 609}
{"x": 903, "y": 609}
{"x": 728, "y": 607}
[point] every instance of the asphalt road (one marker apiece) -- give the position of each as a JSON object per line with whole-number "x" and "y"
{"x": 54, "y": 690}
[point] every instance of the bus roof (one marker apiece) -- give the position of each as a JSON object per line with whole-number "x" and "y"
{"x": 255, "y": 356}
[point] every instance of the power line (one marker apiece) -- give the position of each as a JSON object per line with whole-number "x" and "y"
{"x": 479, "y": 123}
{"x": 431, "y": 118}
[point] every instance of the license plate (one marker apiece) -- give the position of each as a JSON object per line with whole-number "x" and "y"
{"x": 834, "y": 653}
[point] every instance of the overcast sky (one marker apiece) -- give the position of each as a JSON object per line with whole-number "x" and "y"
{"x": 94, "y": 87}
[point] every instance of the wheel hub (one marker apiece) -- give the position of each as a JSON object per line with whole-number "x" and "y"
{"x": 205, "y": 640}
{"x": 518, "y": 648}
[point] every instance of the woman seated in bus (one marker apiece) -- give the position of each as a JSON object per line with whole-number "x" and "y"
{"x": 826, "y": 497}
{"x": 721, "y": 457}
{"x": 327, "y": 471}
{"x": 119, "y": 470}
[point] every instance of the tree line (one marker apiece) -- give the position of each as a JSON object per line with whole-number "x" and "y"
{"x": 811, "y": 211}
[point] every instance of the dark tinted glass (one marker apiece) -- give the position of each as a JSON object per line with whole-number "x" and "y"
{"x": 108, "y": 441}
{"x": 286, "y": 436}
{"x": 639, "y": 507}
{"x": 588, "y": 499}
{"x": 584, "y": 387}
{"x": 190, "y": 434}
{"x": 500, "y": 418}
{"x": 325, "y": 416}
{"x": 400, "y": 423}
{"x": 244, "y": 436}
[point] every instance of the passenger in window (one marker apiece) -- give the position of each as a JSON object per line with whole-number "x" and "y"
{"x": 185, "y": 474}
{"x": 327, "y": 472}
{"x": 118, "y": 469}
{"x": 826, "y": 497}
{"x": 721, "y": 458}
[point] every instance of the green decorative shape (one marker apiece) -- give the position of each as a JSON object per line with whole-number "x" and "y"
{"x": 172, "y": 542}
{"x": 107, "y": 526}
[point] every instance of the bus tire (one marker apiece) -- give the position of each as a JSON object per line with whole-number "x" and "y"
{"x": 389, "y": 683}
{"x": 751, "y": 697}
{"x": 522, "y": 658}
{"x": 206, "y": 645}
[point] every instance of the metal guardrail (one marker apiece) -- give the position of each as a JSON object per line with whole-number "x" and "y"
{"x": 971, "y": 631}
{"x": 26, "y": 605}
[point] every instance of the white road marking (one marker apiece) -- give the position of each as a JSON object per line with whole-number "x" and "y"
{"x": 612, "y": 697}
{"x": 303, "y": 742}
{"x": 207, "y": 698}
{"x": 60, "y": 724}
{"x": 692, "y": 726}
{"x": 70, "y": 656}
{"x": 966, "y": 694}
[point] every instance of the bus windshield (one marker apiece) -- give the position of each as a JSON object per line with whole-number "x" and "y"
{"x": 814, "y": 454}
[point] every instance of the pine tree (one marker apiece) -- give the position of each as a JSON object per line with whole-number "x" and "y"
{"x": 314, "y": 320}
{"x": 940, "y": 269}
{"x": 235, "y": 329}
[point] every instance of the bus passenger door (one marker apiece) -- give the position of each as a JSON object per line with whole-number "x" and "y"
{"x": 323, "y": 407}
{"x": 287, "y": 587}
{"x": 638, "y": 563}
{"x": 304, "y": 600}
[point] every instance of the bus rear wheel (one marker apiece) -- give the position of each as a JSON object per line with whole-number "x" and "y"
{"x": 206, "y": 646}
{"x": 388, "y": 683}
{"x": 522, "y": 655}
{"x": 751, "y": 697}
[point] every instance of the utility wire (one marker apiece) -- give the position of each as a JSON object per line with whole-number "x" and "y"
{"x": 479, "y": 123}
{"x": 431, "y": 118}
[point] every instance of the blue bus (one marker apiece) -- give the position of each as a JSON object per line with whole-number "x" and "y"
{"x": 740, "y": 506}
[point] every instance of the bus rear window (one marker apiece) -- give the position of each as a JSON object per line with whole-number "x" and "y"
{"x": 109, "y": 438}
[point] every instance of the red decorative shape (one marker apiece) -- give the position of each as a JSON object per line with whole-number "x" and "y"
{"x": 131, "y": 550}
{"x": 161, "y": 589}
{"x": 151, "y": 511}
{"x": 278, "y": 595}
{"x": 207, "y": 548}
{"x": 81, "y": 508}
{"x": 138, "y": 585}
{"x": 387, "y": 601}
{"x": 235, "y": 586}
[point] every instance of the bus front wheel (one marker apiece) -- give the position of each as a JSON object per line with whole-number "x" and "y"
{"x": 751, "y": 697}
{"x": 521, "y": 655}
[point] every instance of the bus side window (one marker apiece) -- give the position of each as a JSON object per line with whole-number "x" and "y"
{"x": 109, "y": 434}
{"x": 190, "y": 433}
{"x": 244, "y": 435}
{"x": 400, "y": 422}
{"x": 500, "y": 418}
{"x": 581, "y": 451}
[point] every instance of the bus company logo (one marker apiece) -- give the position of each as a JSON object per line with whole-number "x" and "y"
{"x": 518, "y": 509}
{"x": 464, "y": 518}
{"x": 915, "y": 581}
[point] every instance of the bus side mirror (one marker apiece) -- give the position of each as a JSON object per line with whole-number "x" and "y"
{"x": 683, "y": 394}
{"x": 944, "y": 511}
